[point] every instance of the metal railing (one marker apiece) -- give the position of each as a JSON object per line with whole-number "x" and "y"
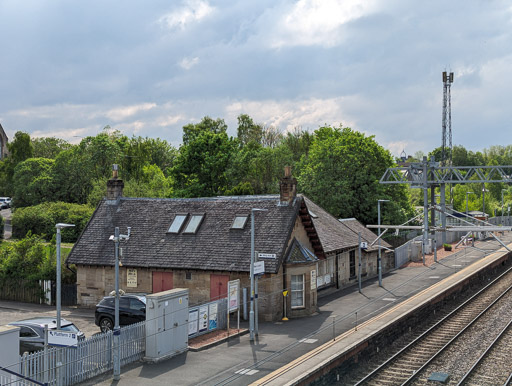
{"x": 91, "y": 357}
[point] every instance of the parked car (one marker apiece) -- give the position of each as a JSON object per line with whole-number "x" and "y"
{"x": 132, "y": 309}
{"x": 32, "y": 332}
{"x": 5, "y": 202}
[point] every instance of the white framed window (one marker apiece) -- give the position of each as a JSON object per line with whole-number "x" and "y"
{"x": 297, "y": 291}
{"x": 193, "y": 223}
{"x": 177, "y": 223}
{"x": 239, "y": 222}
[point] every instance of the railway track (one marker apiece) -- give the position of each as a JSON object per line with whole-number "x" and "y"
{"x": 412, "y": 361}
{"x": 493, "y": 366}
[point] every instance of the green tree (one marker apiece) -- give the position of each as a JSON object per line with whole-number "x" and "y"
{"x": 247, "y": 131}
{"x": 200, "y": 170}
{"x": 207, "y": 124}
{"x": 342, "y": 173}
{"x": 49, "y": 147}
{"x": 73, "y": 176}
{"x": 32, "y": 182}
{"x": 152, "y": 183}
{"x": 20, "y": 148}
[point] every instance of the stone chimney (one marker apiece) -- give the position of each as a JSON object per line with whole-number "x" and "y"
{"x": 115, "y": 185}
{"x": 287, "y": 187}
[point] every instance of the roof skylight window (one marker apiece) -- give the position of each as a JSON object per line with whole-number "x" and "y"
{"x": 177, "y": 223}
{"x": 193, "y": 223}
{"x": 239, "y": 222}
{"x": 312, "y": 214}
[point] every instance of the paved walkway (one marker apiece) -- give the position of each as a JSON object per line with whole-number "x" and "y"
{"x": 240, "y": 362}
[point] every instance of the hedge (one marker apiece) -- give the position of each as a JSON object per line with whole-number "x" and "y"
{"x": 41, "y": 219}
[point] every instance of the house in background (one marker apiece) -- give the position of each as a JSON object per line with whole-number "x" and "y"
{"x": 3, "y": 143}
{"x": 202, "y": 243}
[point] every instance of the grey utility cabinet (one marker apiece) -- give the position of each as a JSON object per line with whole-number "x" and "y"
{"x": 166, "y": 324}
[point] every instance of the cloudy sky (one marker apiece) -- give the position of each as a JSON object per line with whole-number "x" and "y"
{"x": 147, "y": 68}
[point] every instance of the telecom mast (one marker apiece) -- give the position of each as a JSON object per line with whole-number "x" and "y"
{"x": 446, "y": 154}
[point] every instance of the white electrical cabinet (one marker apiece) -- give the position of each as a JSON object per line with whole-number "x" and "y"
{"x": 166, "y": 324}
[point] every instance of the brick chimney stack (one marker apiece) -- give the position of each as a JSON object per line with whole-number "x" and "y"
{"x": 115, "y": 185}
{"x": 287, "y": 187}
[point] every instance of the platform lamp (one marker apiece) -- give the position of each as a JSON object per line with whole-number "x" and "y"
{"x": 379, "y": 260}
{"x": 117, "y": 238}
{"x": 502, "y": 190}
{"x": 483, "y": 200}
{"x": 251, "y": 312}
{"x": 59, "y": 226}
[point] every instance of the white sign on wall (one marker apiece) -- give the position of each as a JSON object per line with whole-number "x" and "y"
{"x": 267, "y": 256}
{"x": 313, "y": 279}
{"x": 131, "y": 277}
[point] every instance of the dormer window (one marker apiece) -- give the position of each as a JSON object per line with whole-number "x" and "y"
{"x": 239, "y": 222}
{"x": 177, "y": 224}
{"x": 193, "y": 223}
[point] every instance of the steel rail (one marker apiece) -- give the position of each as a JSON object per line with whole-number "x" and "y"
{"x": 448, "y": 344}
{"x": 429, "y": 330}
{"x": 485, "y": 353}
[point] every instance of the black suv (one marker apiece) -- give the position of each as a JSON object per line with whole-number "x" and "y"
{"x": 32, "y": 332}
{"x": 132, "y": 309}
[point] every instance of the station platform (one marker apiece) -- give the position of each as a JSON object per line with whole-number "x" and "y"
{"x": 299, "y": 350}
{"x": 441, "y": 279}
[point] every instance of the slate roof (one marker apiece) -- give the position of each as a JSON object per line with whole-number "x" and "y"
{"x": 215, "y": 246}
{"x": 337, "y": 234}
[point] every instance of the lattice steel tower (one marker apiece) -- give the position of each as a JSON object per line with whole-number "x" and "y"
{"x": 446, "y": 153}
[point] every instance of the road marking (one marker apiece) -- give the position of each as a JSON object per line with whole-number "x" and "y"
{"x": 433, "y": 277}
{"x": 308, "y": 340}
{"x": 389, "y": 299}
{"x": 456, "y": 265}
{"x": 247, "y": 371}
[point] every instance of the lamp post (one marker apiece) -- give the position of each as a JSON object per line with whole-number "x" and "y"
{"x": 483, "y": 199}
{"x": 379, "y": 261}
{"x": 502, "y": 190}
{"x": 59, "y": 226}
{"x": 117, "y": 332}
{"x": 467, "y": 202}
{"x": 251, "y": 312}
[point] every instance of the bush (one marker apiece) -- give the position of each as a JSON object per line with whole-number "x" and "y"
{"x": 447, "y": 247}
{"x": 32, "y": 259}
{"x": 41, "y": 219}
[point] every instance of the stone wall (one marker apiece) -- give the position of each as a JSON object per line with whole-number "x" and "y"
{"x": 96, "y": 282}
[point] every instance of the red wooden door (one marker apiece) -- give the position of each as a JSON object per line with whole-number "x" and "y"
{"x": 218, "y": 286}
{"x": 162, "y": 281}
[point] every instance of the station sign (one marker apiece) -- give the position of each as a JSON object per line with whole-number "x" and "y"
{"x": 259, "y": 268}
{"x": 267, "y": 256}
{"x": 62, "y": 338}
